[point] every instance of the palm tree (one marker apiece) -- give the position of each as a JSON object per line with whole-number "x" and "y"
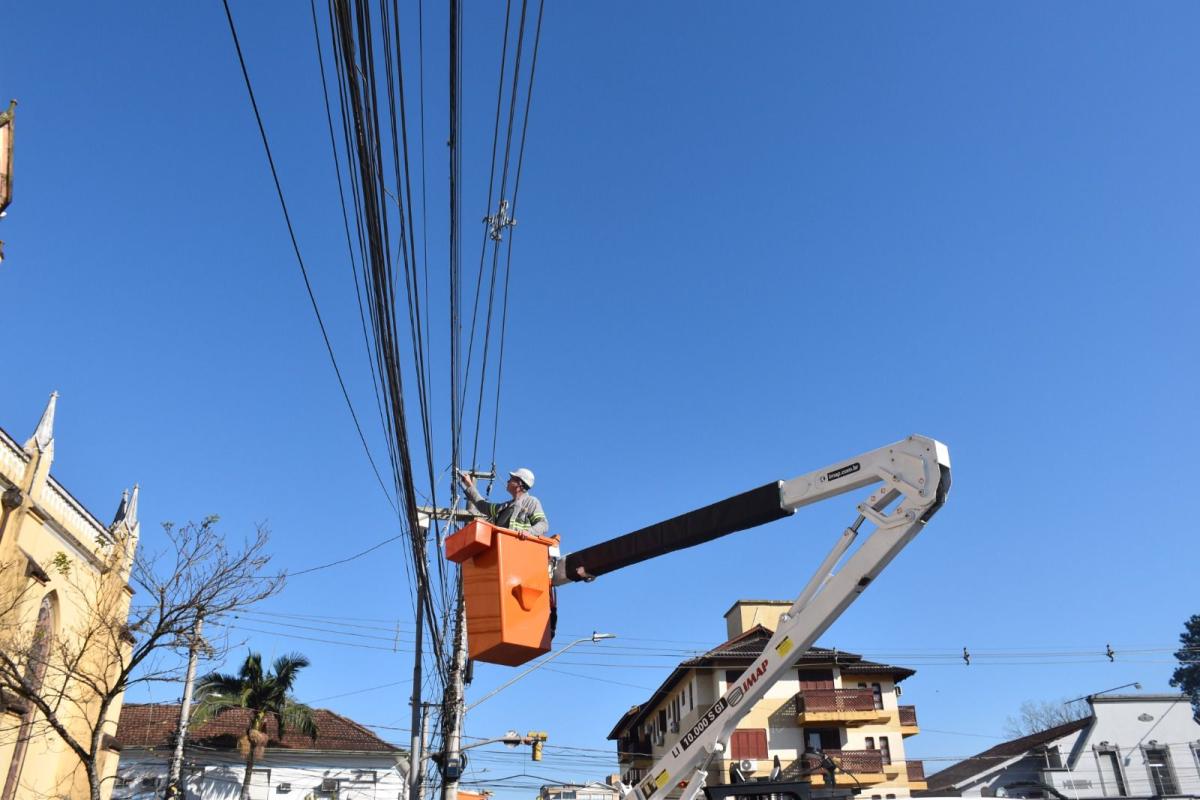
{"x": 265, "y": 695}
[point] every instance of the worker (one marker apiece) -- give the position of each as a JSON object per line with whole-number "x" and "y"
{"x": 522, "y": 514}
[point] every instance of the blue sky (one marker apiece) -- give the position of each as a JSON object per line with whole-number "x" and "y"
{"x": 752, "y": 241}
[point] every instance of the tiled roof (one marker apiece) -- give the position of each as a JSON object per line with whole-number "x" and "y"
{"x": 993, "y": 757}
{"x": 154, "y": 725}
{"x": 740, "y": 651}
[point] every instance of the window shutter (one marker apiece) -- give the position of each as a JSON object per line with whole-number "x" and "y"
{"x": 751, "y": 743}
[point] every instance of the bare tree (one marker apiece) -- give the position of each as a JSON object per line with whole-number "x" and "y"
{"x": 1040, "y": 715}
{"x": 71, "y": 678}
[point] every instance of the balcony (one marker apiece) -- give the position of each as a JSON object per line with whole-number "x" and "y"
{"x": 864, "y": 765}
{"x": 908, "y": 721}
{"x": 842, "y": 706}
{"x": 916, "y": 775}
{"x": 633, "y": 748}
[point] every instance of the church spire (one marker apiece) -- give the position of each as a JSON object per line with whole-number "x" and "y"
{"x": 131, "y": 518}
{"x": 43, "y": 436}
{"x": 127, "y": 510}
{"x": 122, "y": 509}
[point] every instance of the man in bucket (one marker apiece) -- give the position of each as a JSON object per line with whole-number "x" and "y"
{"x": 522, "y": 514}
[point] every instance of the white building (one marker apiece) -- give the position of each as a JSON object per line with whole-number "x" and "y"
{"x": 346, "y": 762}
{"x": 592, "y": 790}
{"x": 1140, "y": 746}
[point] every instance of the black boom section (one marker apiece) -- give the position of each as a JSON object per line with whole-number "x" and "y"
{"x": 747, "y": 510}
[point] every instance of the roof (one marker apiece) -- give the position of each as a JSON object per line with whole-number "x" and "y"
{"x": 740, "y": 651}
{"x": 154, "y": 725}
{"x": 993, "y": 757}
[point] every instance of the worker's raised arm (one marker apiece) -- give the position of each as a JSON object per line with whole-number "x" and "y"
{"x": 474, "y": 498}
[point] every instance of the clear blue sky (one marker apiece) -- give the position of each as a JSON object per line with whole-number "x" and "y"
{"x": 752, "y": 240}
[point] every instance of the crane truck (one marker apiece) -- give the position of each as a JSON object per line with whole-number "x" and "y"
{"x": 911, "y": 479}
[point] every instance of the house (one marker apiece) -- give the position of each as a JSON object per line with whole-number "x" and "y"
{"x": 592, "y": 790}
{"x": 345, "y": 762}
{"x": 64, "y": 592}
{"x": 1144, "y": 745}
{"x": 835, "y": 702}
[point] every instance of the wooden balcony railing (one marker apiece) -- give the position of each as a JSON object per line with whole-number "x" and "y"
{"x": 908, "y": 715}
{"x": 856, "y": 761}
{"x": 916, "y": 770}
{"x": 633, "y": 748}
{"x": 834, "y": 700}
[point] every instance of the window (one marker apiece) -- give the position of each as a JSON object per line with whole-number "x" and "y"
{"x": 815, "y": 679}
{"x": 885, "y": 750}
{"x": 870, "y": 742}
{"x": 1053, "y": 758}
{"x": 817, "y": 739}
{"x": 1162, "y": 777}
{"x": 1111, "y": 780}
{"x": 877, "y": 693}
{"x": 751, "y": 743}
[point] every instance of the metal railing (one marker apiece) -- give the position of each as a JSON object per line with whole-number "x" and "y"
{"x": 835, "y": 700}
{"x": 856, "y": 761}
{"x": 916, "y": 770}
{"x": 908, "y": 716}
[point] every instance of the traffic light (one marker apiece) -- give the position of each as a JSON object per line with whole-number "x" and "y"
{"x": 536, "y": 738}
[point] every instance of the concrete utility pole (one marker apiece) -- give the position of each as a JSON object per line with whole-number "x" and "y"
{"x": 452, "y": 713}
{"x": 174, "y": 789}
{"x": 417, "y": 743}
{"x": 419, "y": 766}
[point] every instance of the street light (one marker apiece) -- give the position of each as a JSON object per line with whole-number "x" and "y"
{"x": 1135, "y": 685}
{"x": 595, "y": 637}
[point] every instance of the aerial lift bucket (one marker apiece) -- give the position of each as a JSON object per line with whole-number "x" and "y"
{"x": 506, "y": 583}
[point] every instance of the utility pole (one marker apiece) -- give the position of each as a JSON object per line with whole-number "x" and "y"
{"x": 174, "y": 789}
{"x": 417, "y": 743}
{"x": 419, "y": 766}
{"x": 452, "y": 712}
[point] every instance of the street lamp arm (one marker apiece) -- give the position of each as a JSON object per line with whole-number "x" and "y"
{"x": 595, "y": 637}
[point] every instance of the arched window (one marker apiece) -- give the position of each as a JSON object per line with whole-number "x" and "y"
{"x": 35, "y": 671}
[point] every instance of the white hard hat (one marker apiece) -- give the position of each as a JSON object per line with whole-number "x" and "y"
{"x": 524, "y": 476}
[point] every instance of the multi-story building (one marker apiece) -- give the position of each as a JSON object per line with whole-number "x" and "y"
{"x": 1136, "y": 745}
{"x": 64, "y": 599}
{"x": 835, "y": 702}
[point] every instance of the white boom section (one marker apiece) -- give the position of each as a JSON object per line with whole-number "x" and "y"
{"x": 914, "y": 475}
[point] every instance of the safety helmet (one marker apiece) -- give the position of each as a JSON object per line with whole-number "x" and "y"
{"x": 524, "y": 476}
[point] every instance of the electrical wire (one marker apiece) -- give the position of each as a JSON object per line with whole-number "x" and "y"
{"x": 296, "y": 247}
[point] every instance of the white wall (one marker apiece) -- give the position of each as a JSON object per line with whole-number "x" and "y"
{"x": 1124, "y": 726}
{"x": 220, "y": 777}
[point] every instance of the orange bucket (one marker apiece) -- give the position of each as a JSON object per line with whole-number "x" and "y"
{"x": 506, "y": 581}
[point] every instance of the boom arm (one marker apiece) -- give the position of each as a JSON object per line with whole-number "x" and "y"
{"x": 914, "y": 475}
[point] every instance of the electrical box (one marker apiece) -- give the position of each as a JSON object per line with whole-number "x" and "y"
{"x": 506, "y": 583}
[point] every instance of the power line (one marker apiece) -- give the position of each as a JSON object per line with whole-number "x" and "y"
{"x": 296, "y": 245}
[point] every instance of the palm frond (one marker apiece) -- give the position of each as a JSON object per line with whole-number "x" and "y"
{"x": 212, "y": 706}
{"x": 251, "y": 671}
{"x": 286, "y": 667}
{"x": 298, "y": 717}
{"x": 217, "y": 683}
